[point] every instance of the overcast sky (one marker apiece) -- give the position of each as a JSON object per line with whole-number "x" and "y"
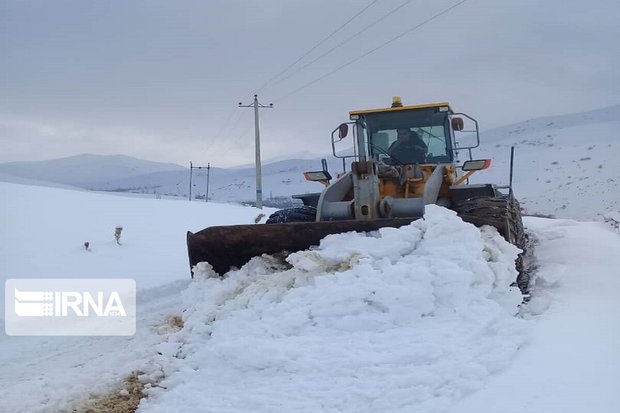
{"x": 161, "y": 79}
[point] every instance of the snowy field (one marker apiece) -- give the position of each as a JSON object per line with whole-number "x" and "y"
{"x": 421, "y": 318}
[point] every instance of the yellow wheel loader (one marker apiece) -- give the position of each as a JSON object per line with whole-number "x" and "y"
{"x": 403, "y": 158}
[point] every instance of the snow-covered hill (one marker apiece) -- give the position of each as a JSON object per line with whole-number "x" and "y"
{"x": 565, "y": 166}
{"x": 83, "y": 170}
{"x": 280, "y": 179}
{"x": 36, "y": 182}
{"x": 397, "y": 320}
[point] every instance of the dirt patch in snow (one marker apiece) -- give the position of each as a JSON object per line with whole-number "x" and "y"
{"x": 126, "y": 397}
{"x": 176, "y": 322}
{"x": 121, "y": 400}
{"x": 171, "y": 324}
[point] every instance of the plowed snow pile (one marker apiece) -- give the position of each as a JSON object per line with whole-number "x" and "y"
{"x": 405, "y": 319}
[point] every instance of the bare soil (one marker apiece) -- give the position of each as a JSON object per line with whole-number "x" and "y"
{"x": 120, "y": 400}
{"x": 126, "y": 397}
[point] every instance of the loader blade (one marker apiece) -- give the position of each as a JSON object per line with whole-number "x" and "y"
{"x": 232, "y": 246}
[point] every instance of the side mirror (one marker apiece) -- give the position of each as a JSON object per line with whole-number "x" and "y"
{"x": 476, "y": 165}
{"x": 343, "y": 130}
{"x": 457, "y": 124}
{"x": 317, "y": 176}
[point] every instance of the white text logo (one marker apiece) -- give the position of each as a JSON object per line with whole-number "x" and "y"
{"x": 64, "y": 303}
{"x": 70, "y": 306}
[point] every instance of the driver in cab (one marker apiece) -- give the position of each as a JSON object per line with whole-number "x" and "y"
{"x": 408, "y": 148}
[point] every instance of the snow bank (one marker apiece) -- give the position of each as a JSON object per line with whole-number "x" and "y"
{"x": 395, "y": 320}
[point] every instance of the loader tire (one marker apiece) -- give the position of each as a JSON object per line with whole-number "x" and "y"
{"x": 504, "y": 214}
{"x": 296, "y": 214}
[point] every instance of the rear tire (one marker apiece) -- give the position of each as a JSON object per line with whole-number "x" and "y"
{"x": 296, "y": 214}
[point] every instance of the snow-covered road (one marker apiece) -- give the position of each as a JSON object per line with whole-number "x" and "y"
{"x": 40, "y": 374}
{"x": 572, "y": 362}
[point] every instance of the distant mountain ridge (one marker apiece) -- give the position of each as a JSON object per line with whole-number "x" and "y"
{"x": 606, "y": 114}
{"x": 82, "y": 170}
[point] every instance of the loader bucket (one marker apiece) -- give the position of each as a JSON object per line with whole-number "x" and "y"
{"x": 232, "y": 246}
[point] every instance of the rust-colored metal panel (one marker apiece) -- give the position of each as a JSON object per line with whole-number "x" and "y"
{"x": 233, "y": 246}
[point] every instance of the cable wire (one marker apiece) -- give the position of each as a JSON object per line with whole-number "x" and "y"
{"x": 217, "y": 135}
{"x": 215, "y": 138}
{"x": 350, "y": 62}
{"x": 313, "y": 48}
{"x": 339, "y": 45}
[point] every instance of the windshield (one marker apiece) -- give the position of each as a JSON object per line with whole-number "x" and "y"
{"x": 428, "y": 140}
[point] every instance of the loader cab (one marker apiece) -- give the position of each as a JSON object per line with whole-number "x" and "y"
{"x": 443, "y": 131}
{"x": 447, "y": 135}
{"x": 430, "y": 122}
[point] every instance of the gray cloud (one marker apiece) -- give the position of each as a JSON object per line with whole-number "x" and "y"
{"x": 159, "y": 79}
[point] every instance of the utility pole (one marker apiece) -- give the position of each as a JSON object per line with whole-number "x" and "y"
{"x": 259, "y": 184}
{"x": 191, "y": 172}
{"x": 191, "y": 169}
{"x": 208, "y": 177}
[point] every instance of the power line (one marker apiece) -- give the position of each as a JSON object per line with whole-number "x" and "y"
{"x": 313, "y": 48}
{"x": 350, "y": 62}
{"x": 217, "y": 135}
{"x": 232, "y": 143}
{"x": 235, "y": 123}
{"x": 339, "y": 45}
{"x": 214, "y": 139}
